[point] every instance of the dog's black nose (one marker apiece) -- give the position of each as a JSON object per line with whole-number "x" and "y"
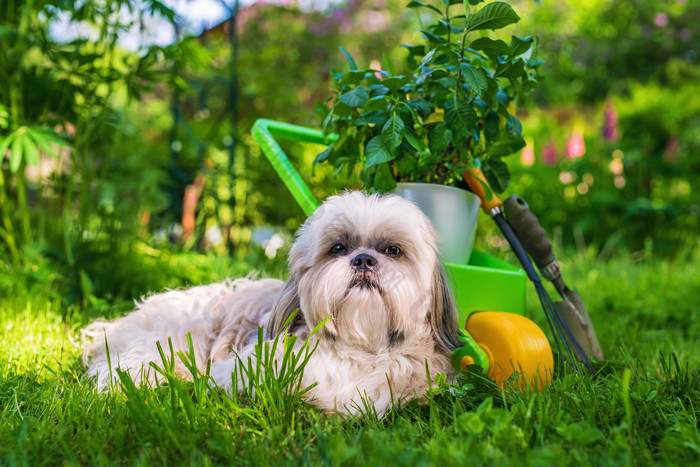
{"x": 364, "y": 262}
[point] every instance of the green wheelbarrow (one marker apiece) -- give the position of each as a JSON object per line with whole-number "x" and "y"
{"x": 489, "y": 292}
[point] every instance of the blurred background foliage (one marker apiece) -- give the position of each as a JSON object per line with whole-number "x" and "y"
{"x": 121, "y": 167}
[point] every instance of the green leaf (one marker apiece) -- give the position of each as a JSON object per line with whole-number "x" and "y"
{"x": 416, "y": 4}
{"x": 491, "y": 96}
{"x": 327, "y": 120}
{"x": 414, "y": 140}
{"x": 497, "y": 174}
{"x": 395, "y": 83}
{"x": 86, "y": 286}
{"x": 493, "y": 16}
{"x": 383, "y": 179}
{"x": 339, "y": 111}
{"x": 43, "y": 138}
{"x": 505, "y": 145}
{"x": 376, "y": 152}
{"x": 433, "y": 37}
{"x": 471, "y": 423}
{"x": 580, "y": 433}
{"x": 389, "y": 64}
{"x": 491, "y": 124}
{"x": 351, "y": 61}
{"x": 519, "y": 46}
{"x": 439, "y": 137}
{"x": 414, "y": 50}
{"x": 31, "y": 153}
{"x": 323, "y": 155}
{"x": 406, "y": 164}
{"x": 4, "y": 117}
{"x": 512, "y": 70}
{"x": 392, "y": 132}
{"x": 460, "y": 117}
{"x": 503, "y": 101}
{"x": 16, "y": 151}
{"x": 376, "y": 117}
{"x": 6, "y": 32}
{"x": 447, "y": 27}
{"x": 534, "y": 63}
{"x": 424, "y": 73}
{"x": 428, "y": 58}
{"x": 5, "y": 144}
{"x": 355, "y": 98}
{"x": 513, "y": 126}
{"x": 321, "y": 110}
{"x": 376, "y": 103}
{"x": 353, "y": 77}
{"x": 422, "y": 106}
{"x": 53, "y": 137}
{"x": 378, "y": 90}
{"x": 475, "y": 77}
{"x": 492, "y": 48}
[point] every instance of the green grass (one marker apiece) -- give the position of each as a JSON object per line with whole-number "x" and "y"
{"x": 641, "y": 408}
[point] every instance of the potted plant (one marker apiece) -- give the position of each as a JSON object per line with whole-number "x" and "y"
{"x": 453, "y": 111}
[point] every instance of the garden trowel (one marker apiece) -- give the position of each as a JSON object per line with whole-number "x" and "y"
{"x": 534, "y": 239}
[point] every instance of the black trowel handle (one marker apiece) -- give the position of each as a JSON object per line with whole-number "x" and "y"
{"x": 529, "y": 231}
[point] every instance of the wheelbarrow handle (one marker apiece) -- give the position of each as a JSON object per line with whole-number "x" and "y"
{"x": 265, "y": 131}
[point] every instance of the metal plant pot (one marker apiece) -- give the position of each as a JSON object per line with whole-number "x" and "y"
{"x": 454, "y": 213}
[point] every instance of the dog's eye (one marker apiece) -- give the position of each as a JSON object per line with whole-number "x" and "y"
{"x": 338, "y": 249}
{"x": 393, "y": 251}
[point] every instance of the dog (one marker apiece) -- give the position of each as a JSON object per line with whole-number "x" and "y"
{"x": 367, "y": 264}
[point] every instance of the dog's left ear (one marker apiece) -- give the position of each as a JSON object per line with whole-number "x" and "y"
{"x": 443, "y": 313}
{"x": 287, "y": 303}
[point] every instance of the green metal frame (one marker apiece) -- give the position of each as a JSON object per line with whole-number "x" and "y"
{"x": 485, "y": 284}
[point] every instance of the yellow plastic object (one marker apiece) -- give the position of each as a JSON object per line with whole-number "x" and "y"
{"x": 513, "y": 343}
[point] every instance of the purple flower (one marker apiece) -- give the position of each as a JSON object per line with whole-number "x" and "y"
{"x": 610, "y": 122}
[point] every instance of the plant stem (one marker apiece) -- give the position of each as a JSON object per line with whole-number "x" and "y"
{"x": 8, "y": 229}
{"x": 22, "y": 204}
{"x": 461, "y": 59}
{"x": 447, "y": 20}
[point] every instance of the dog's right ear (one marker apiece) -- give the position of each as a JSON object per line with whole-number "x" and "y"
{"x": 443, "y": 314}
{"x": 287, "y": 303}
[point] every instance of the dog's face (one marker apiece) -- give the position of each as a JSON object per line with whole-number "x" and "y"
{"x": 372, "y": 263}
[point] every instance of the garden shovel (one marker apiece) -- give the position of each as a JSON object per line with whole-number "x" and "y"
{"x": 533, "y": 237}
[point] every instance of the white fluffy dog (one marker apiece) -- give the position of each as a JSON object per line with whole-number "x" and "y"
{"x": 371, "y": 262}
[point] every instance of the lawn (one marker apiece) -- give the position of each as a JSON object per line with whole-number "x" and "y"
{"x": 641, "y": 407}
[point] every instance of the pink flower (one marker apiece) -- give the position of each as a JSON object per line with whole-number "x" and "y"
{"x": 549, "y": 155}
{"x": 377, "y": 67}
{"x": 575, "y": 147}
{"x": 661, "y": 20}
{"x": 527, "y": 156}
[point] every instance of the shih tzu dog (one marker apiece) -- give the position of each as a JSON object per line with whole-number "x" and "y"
{"x": 369, "y": 263}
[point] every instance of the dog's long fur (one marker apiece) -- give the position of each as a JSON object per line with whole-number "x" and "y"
{"x": 388, "y": 318}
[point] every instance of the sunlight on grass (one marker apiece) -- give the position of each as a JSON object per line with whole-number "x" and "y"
{"x": 35, "y": 339}
{"x": 640, "y": 408}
